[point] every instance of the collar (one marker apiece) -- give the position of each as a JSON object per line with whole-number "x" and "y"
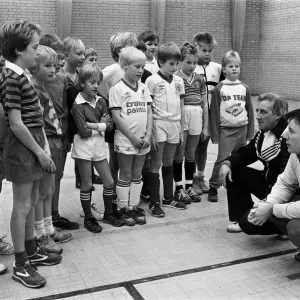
{"x": 169, "y": 80}
{"x": 130, "y": 86}
{"x": 279, "y": 127}
{"x": 14, "y": 67}
{"x": 226, "y": 81}
{"x": 80, "y": 100}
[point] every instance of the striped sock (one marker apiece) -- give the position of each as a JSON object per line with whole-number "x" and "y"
{"x": 107, "y": 199}
{"x": 122, "y": 192}
{"x": 85, "y": 199}
{"x": 135, "y": 192}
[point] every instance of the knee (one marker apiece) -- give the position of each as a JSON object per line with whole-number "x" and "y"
{"x": 190, "y": 155}
{"x": 108, "y": 184}
{"x": 293, "y": 230}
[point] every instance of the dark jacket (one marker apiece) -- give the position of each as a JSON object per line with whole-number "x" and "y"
{"x": 252, "y": 152}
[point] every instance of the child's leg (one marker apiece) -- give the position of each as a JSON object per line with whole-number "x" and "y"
{"x": 177, "y": 163}
{"x": 113, "y": 164}
{"x": 145, "y": 178}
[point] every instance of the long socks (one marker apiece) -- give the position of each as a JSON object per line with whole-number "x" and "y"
{"x": 135, "y": 191}
{"x": 107, "y": 199}
{"x": 167, "y": 175}
{"x": 154, "y": 186}
{"x": 177, "y": 173}
{"x": 85, "y": 199}
{"x": 189, "y": 170}
{"x": 122, "y": 192}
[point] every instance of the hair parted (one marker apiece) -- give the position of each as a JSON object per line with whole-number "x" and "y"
{"x": 167, "y": 52}
{"x": 229, "y": 55}
{"x": 188, "y": 48}
{"x": 204, "y": 38}
{"x": 43, "y": 53}
{"x": 121, "y": 40}
{"x": 52, "y": 41}
{"x": 16, "y": 35}
{"x": 70, "y": 43}
{"x": 129, "y": 55}
{"x": 280, "y": 105}
{"x": 89, "y": 71}
{"x": 148, "y": 36}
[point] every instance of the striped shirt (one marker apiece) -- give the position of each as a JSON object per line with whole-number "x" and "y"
{"x": 52, "y": 124}
{"x": 194, "y": 89}
{"x": 16, "y": 92}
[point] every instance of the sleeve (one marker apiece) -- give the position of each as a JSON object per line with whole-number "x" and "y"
{"x": 250, "y": 112}
{"x": 215, "y": 115}
{"x": 105, "y": 109}
{"x": 148, "y": 96}
{"x": 12, "y": 93}
{"x": 182, "y": 90}
{"x": 115, "y": 99}
{"x": 77, "y": 112}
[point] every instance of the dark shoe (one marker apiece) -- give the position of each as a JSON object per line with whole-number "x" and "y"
{"x": 193, "y": 195}
{"x": 92, "y": 225}
{"x": 64, "y": 223}
{"x": 196, "y": 185}
{"x": 182, "y": 196}
{"x": 44, "y": 258}
{"x": 204, "y": 188}
{"x": 46, "y": 242}
{"x": 113, "y": 220}
{"x": 28, "y": 276}
{"x": 138, "y": 214}
{"x": 97, "y": 179}
{"x": 156, "y": 210}
{"x": 213, "y": 195}
{"x": 145, "y": 195}
{"x": 125, "y": 215}
{"x": 61, "y": 237}
{"x": 173, "y": 203}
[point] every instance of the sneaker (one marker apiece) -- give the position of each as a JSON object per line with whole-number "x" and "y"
{"x": 95, "y": 212}
{"x": 233, "y": 227}
{"x": 196, "y": 185}
{"x": 42, "y": 258}
{"x": 145, "y": 196}
{"x": 5, "y": 248}
{"x": 46, "y": 242}
{"x": 61, "y": 237}
{"x": 182, "y": 196}
{"x": 113, "y": 220}
{"x": 97, "y": 179}
{"x": 173, "y": 203}
{"x": 92, "y": 225}
{"x": 193, "y": 195}
{"x": 204, "y": 188}
{"x": 28, "y": 276}
{"x": 156, "y": 210}
{"x": 138, "y": 215}
{"x": 125, "y": 215}
{"x": 3, "y": 269}
{"x": 213, "y": 195}
{"x": 64, "y": 223}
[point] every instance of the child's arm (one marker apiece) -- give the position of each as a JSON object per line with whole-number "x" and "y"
{"x": 205, "y": 117}
{"x": 181, "y": 139}
{"x": 121, "y": 124}
{"x": 147, "y": 137}
{"x": 249, "y": 108}
{"x": 23, "y": 134}
{"x": 215, "y": 115}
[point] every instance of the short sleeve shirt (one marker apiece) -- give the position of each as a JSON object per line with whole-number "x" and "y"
{"x": 18, "y": 93}
{"x": 133, "y": 104}
{"x": 166, "y": 94}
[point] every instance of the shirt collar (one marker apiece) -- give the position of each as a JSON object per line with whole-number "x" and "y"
{"x": 80, "y": 100}
{"x": 164, "y": 77}
{"x": 14, "y": 67}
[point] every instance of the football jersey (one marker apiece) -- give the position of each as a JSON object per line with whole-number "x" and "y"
{"x": 132, "y": 102}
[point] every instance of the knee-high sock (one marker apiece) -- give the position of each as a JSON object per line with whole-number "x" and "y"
{"x": 177, "y": 173}
{"x": 154, "y": 186}
{"x": 85, "y": 199}
{"x": 189, "y": 167}
{"x": 167, "y": 175}
{"x": 107, "y": 199}
{"x": 135, "y": 191}
{"x": 122, "y": 193}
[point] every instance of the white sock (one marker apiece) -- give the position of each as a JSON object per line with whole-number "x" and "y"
{"x": 200, "y": 173}
{"x": 48, "y": 225}
{"x": 122, "y": 190}
{"x": 39, "y": 228}
{"x": 135, "y": 192}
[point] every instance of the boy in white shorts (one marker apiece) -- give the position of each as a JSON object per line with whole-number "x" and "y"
{"x": 167, "y": 91}
{"x": 130, "y": 104}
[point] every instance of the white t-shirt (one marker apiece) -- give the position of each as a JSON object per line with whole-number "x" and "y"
{"x": 166, "y": 94}
{"x": 133, "y": 105}
{"x": 152, "y": 66}
{"x": 112, "y": 74}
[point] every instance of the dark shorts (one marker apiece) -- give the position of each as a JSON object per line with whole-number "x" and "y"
{"x": 109, "y": 136}
{"x": 55, "y": 145}
{"x": 20, "y": 163}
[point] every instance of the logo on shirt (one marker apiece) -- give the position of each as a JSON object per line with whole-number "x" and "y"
{"x": 136, "y": 107}
{"x": 177, "y": 87}
{"x": 196, "y": 84}
{"x": 235, "y": 109}
{"x": 127, "y": 95}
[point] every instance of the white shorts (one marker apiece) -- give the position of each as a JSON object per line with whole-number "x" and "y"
{"x": 92, "y": 148}
{"x": 131, "y": 150}
{"x": 193, "y": 119}
{"x": 166, "y": 131}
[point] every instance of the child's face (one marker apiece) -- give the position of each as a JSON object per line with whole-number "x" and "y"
{"x": 134, "y": 71}
{"x": 189, "y": 64}
{"x": 2, "y": 62}
{"x": 92, "y": 59}
{"x": 169, "y": 67}
{"x": 45, "y": 71}
{"x": 232, "y": 69}
{"x": 27, "y": 56}
{"x": 60, "y": 58}
{"x": 205, "y": 51}
{"x": 90, "y": 87}
{"x": 151, "y": 49}
{"x": 76, "y": 56}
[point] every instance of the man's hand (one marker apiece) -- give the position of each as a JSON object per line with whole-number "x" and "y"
{"x": 260, "y": 213}
{"x": 224, "y": 173}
